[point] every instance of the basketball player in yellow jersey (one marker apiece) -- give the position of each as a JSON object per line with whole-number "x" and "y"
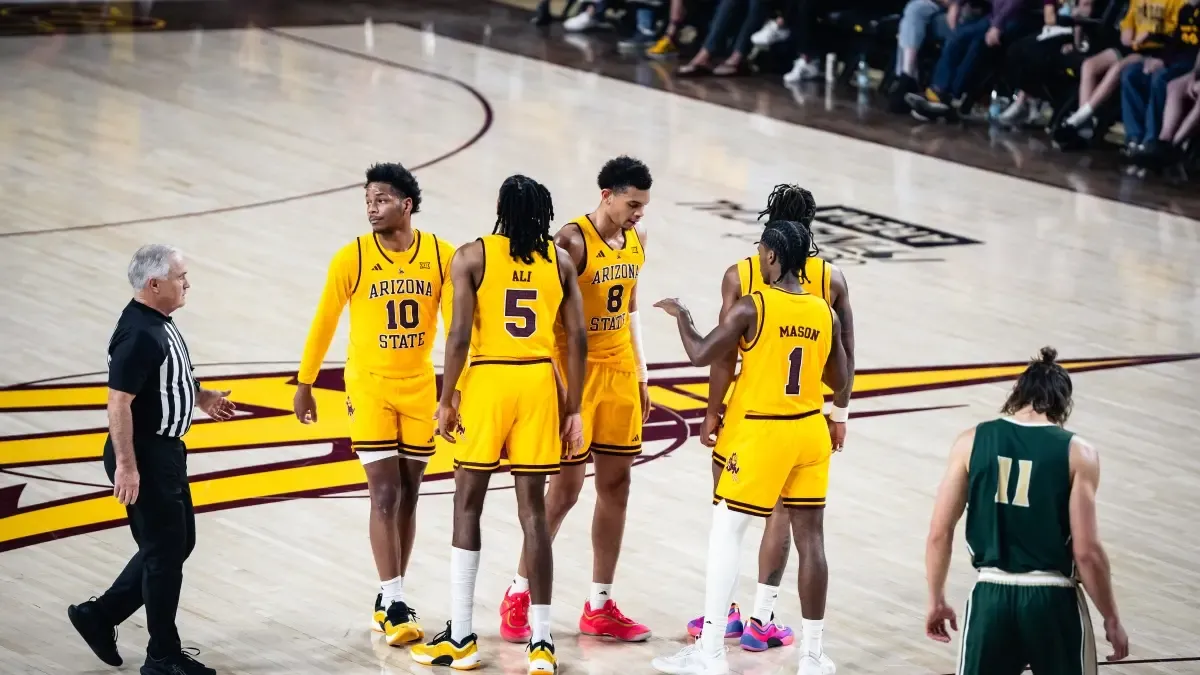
{"x": 509, "y": 289}
{"x": 392, "y": 278}
{"x": 792, "y": 203}
{"x": 607, "y": 251}
{"x": 779, "y": 446}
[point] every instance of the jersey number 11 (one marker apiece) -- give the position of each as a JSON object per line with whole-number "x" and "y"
{"x": 1024, "y": 469}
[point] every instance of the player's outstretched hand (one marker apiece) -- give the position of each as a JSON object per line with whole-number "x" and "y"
{"x": 671, "y": 306}
{"x": 935, "y": 621}
{"x": 1114, "y": 632}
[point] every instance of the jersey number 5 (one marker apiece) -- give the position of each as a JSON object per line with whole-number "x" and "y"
{"x": 1024, "y": 469}
{"x": 513, "y": 309}
{"x": 795, "y": 364}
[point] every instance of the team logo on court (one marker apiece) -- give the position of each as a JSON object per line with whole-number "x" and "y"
{"x": 265, "y": 455}
{"x": 846, "y": 235}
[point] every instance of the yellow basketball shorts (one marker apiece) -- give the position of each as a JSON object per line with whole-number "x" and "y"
{"x": 611, "y": 410}
{"x": 773, "y": 457}
{"x": 391, "y": 415}
{"x": 510, "y": 405}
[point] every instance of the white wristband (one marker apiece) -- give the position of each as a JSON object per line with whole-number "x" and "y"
{"x": 839, "y": 414}
{"x": 635, "y": 332}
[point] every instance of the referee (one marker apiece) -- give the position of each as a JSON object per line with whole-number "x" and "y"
{"x": 151, "y": 395}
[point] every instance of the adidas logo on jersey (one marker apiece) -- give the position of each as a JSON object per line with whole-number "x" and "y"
{"x": 637, "y": 439}
{"x": 600, "y": 254}
{"x": 377, "y": 268}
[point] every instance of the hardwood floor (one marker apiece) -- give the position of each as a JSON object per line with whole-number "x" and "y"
{"x": 246, "y": 149}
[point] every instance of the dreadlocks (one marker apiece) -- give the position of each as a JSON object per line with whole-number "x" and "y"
{"x": 792, "y": 244}
{"x": 523, "y": 214}
{"x": 790, "y": 202}
{"x": 1045, "y": 386}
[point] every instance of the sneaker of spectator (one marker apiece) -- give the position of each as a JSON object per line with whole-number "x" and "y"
{"x": 772, "y": 33}
{"x": 803, "y": 70}
{"x": 667, "y": 46}
{"x": 588, "y": 18}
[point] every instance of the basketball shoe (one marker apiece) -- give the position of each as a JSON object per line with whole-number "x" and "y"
{"x": 541, "y": 658}
{"x": 514, "y": 617}
{"x": 759, "y": 637}
{"x": 733, "y": 629}
{"x": 400, "y": 625}
{"x": 608, "y": 621}
{"x": 816, "y": 665}
{"x": 692, "y": 660}
{"x": 380, "y": 614}
{"x": 444, "y": 651}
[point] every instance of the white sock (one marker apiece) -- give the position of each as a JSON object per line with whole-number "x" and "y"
{"x": 464, "y": 567}
{"x": 601, "y": 593}
{"x": 519, "y": 585}
{"x": 811, "y": 632}
{"x": 393, "y": 591}
{"x": 724, "y": 556}
{"x": 764, "y": 603}
{"x": 539, "y": 624}
{"x": 1080, "y": 116}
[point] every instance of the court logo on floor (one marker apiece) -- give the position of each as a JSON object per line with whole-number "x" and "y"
{"x": 53, "y": 485}
{"x": 847, "y": 235}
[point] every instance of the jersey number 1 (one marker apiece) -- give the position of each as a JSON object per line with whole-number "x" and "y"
{"x": 1024, "y": 469}
{"x": 795, "y": 364}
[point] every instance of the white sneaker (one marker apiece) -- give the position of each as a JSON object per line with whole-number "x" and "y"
{"x": 802, "y": 69}
{"x": 812, "y": 665}
{"x": 581, "y": 21}
{"x": 1016, "y": 113}
{"x": 771, "y": 33}
{"x": 692, "y": 660}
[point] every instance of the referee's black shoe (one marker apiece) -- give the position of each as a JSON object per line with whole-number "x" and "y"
{"x": 177, "y": 664}
{"x": 96, "y": 629}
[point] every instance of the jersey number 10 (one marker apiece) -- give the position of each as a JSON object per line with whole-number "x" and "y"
{"x": 1024, "y": 469}
{"x": 402, "y": 314}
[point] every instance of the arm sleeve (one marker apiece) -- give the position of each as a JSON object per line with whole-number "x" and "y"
{"x": 133, "y": 357}
{"x": 344, "y": 271}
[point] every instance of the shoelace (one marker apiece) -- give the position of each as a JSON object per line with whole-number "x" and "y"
{"x": 616, "y": 613}
{"x": 519, "y": 614}
{"x": 443, "y": 636}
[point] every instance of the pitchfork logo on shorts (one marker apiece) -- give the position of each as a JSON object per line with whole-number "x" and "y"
{"x": 308, "y": 461}
{"x": 732, "y": 467}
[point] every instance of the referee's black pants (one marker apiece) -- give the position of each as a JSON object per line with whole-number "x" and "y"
{"x": 164, "y": 527}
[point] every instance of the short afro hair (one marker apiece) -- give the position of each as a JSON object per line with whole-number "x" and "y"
{"x": 401, "y": 180}
{"x": 621, "y": 173}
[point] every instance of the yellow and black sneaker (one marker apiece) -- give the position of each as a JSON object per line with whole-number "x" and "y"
{"x": 380, "y": 615}
{"x": 444, "y": 651}
{"x": 541, "y": 658}
{"x": 401, "y": 627}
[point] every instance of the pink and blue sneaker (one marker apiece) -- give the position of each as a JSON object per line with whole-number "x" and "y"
{"x": 759, "y": 638}
{"x": 733, "y": 629}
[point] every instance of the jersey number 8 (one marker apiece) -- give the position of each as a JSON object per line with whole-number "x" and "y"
{"x": 615, "y": 295}
{"x": 513, "y": 309}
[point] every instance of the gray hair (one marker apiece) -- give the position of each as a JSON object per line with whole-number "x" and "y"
{"x": 152, "y": 261}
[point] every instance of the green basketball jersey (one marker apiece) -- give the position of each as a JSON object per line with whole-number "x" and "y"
{"x": 1018, "y": 498}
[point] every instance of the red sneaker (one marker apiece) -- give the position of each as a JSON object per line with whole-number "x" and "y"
{"x": 608, "y": 621}
{"x": 514, "y": 617}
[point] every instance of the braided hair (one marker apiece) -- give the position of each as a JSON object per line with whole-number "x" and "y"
{"x": 792, "y": 244}
{"x": 1045, "y": 386}
{"x": 524, "y": 211}
{"x": 790, "y": 202}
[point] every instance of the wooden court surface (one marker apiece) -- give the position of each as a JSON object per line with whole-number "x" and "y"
{"x": 246, "y": 149}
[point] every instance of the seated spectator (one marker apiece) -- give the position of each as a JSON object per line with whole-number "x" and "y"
{"x": 803, "y": 20}
{"x": 773, "y": 32}
{"x": 667, "y": 45}
{"x": 920, "y": 18}
{"x": 1178, "y": 121}
{"x": 1143, "y": 32}
{"x": 1034, "y": 60}
{"x": 720, "y": 32}
{"x": 970, "y": 40}
{"x": 589, "y": 17}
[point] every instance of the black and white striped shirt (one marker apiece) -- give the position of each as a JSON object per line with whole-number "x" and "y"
{"x": 148, "y": 358}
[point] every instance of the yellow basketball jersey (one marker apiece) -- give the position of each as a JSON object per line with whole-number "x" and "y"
{"x": 783, "y": 365}
{"x": 816, "y": 269}
{"x": 606, "y": 287}
{"x": 516, "y": 305}
{"x": 393, "y": 299}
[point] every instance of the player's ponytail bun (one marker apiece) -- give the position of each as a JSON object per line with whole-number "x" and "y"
{"x": 1049, "y": 355}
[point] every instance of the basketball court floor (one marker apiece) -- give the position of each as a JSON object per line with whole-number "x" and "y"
{"x": 246, "y": 148}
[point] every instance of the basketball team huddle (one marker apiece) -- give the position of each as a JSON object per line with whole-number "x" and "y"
{"x": 544, "y": 367}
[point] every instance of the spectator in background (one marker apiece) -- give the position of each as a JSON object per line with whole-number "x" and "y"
{"x": 1143, "y": 32}
{"x": 720, "y": 33}
{"x": 970, "y": 41}
{"x": 589, "y": 17}
{"x": 667, "y": 45}
{"x": 801, "y": 17}
{"x": 920, "y": 19}
{"x": 1035, "y": 60}
{"x": 1144, "y": 86}
{"x": 1181, "y": 122}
